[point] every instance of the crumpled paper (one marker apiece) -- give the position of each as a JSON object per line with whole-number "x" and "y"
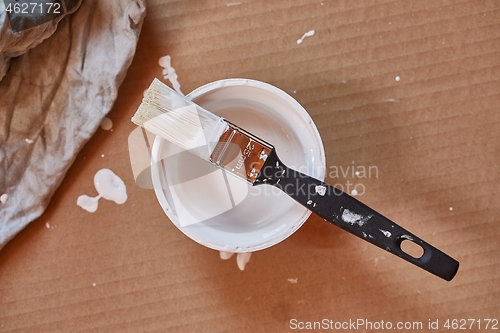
{"x": 56, "y": 86}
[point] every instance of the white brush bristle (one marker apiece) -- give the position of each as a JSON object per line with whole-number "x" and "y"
{"x": 173, "y": 117}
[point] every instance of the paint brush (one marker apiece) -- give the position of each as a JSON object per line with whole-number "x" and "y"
{"x": 177, "y": 119}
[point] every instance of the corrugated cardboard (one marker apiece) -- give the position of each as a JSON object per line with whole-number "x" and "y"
{"x": 410, "y": 87}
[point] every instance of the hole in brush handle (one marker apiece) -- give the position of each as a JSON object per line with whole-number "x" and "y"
{"x": 411, "y": 248}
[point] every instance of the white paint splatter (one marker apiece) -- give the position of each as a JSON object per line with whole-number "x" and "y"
{"x": 385, "y": 232}
{"x": 353, "y": 218}
{"x": 309, "y": 202}
{"x": 90, "y": 204}
{"x": 169, "y": 73}
{"x": 321, "y": 190}
{"x": 109, "y": 186}
{"x": 407, "y": 237}
{"x": 94, "y": 284}
{"x": 102, "y": 155}
{"x": 106, "y": 124}
{"x": 4, "y": 197}
{"x": 293, "y": 280}
{"x": 354, "y": 192}
{"x": 242, "y": 259}
{"x": 307, "y": 34}
{"x": 451, "y": 208}
{"x": 47, "y": 225}
{"x": 357, "y": 173}
{"x": 397, "y": 78}
{"x": 29, "y": 141}
{"x": 233, "y": 4}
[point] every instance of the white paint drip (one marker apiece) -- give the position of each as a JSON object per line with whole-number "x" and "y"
{"x": 106, "y": 124}
{"x": 307, "y": 34}
{"x": 29, "y": 141}
{"x": 321, "y": 190}
{"x": 353, "y": 218}
{"x": 109, "y": 186}
{"x": 169, "y": 73}
{"x": 242, "y": 259}
{"x": 226, "y": 255}
{"x": 385, "y": 232}
{"x": 293, "y": 280}
{"x": 4, "y": 197}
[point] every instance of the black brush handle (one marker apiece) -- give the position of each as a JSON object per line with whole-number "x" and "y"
{"x": 353, "y": 216}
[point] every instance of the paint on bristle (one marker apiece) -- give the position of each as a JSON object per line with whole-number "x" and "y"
{"x": 175, "y": 118}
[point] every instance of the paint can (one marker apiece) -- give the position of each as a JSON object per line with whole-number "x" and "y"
{"x": 218, "y": 210}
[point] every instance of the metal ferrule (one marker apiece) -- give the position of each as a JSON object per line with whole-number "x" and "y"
{"x": 241, "y": 153}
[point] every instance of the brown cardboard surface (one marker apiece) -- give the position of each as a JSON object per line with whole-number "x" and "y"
{"x": 432, "y": 135}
